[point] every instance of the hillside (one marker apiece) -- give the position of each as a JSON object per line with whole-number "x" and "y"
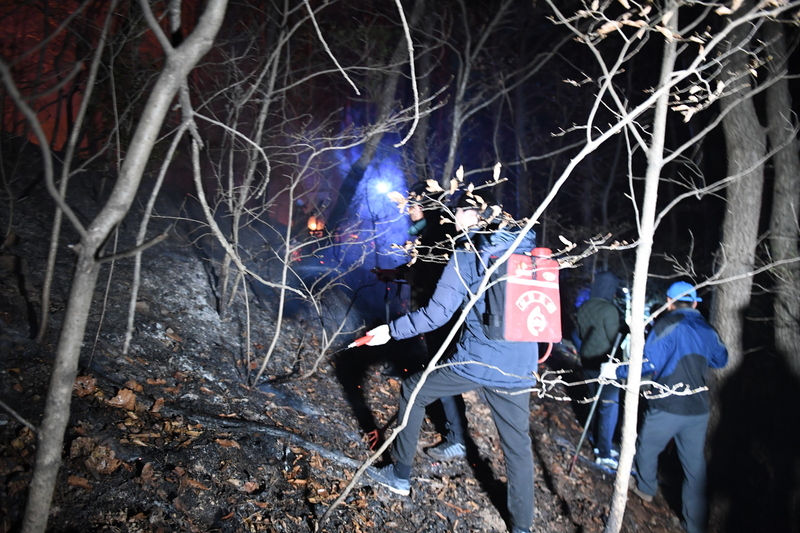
{"x": 171, "y": 437}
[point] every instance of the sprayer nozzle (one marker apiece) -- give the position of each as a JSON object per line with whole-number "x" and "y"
{"x": 361, "y": 341}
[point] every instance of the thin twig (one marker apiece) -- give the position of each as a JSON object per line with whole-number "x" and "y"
{"x": 17, "y": 416}
{"x": 413, "y": 75}
{"x": 104, "y": 307}
{"x": 133, "y": 251}
{"x": 328, "y": 49}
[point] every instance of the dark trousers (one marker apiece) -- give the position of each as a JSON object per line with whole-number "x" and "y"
{"x": 453, "y": 406}
{"x": 606, "y": 414}
{"x": 455, "y": 428}
{"x": 689, "y": 432}
{"x": 511, "y": 414}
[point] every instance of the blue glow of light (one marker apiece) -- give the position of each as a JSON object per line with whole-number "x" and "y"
{"x": 375, "y": 231}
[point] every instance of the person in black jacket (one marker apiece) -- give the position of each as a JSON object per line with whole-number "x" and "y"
{"x": 599, "y": 322}
{"x": 504, "y": 371}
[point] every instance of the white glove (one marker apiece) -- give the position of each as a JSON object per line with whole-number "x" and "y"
{"x": 380, "y": 335}
{"x": 609, "y": 370}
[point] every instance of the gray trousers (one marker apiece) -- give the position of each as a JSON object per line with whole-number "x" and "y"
{"x": 511, "y": 413}
{"x": 689, "y": 432}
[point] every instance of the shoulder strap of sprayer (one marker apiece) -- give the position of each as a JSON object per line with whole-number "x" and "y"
{"x": 479, "y": 264}
{"x": 491, "y": 317}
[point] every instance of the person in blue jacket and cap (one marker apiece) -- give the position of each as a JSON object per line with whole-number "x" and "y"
{"x": 679, "y": 350}
{"x": 504, "y": 371}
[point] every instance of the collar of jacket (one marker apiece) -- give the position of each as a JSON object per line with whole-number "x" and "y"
{"x": 499, "y": 241}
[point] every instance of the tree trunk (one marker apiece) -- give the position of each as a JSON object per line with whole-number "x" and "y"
{"x": 655, "y": 164}
{"x": 59, "y": 394}
{"x": 71, "y": 147}
{"x": 51, "y": 434}
{"x": 420, "y": 139}
{"x": 386, "y": 103}
{"x": 462, "y": 106}
{"x": 786, "y": 196}
{"x": 521, "y": 114}
{"x": 745, "y": 146}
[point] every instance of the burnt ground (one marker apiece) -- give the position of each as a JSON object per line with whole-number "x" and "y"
{"x": 171, "y": 437}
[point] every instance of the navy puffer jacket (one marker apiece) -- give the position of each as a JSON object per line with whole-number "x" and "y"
{"x": 491, "y": 363}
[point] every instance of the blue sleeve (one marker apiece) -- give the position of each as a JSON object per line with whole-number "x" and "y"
{"x": 718, "y": 355}
{"x": 446, "y": 300}
{"x": 657, "y": 351}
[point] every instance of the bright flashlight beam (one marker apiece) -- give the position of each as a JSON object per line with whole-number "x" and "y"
{"x": 382, "y": 187}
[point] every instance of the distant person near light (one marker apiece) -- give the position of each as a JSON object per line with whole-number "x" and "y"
{"x": 679, "y": 351}
{"x": 422, "y": 276}
{"x": 503, "y": 371}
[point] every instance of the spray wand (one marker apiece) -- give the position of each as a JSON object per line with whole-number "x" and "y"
{"x": 591, "y": 411}
{"x": 361, "y": 341}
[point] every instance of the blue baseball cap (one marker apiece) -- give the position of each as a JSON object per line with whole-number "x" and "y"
{"x": 683, "y": 292}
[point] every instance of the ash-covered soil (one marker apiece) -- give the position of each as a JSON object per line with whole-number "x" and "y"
{"x": 172, "y": 436}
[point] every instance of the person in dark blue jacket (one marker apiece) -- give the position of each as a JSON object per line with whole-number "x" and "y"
{"x": 503, "y": 370}
{"x": 679, "y": 351}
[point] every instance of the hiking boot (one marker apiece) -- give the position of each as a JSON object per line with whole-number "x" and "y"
{"x": 447, "y": 452}
{"x": 635, "y": 489}
{"x": 608, "y": 462}
{"x": 386, "y": 477}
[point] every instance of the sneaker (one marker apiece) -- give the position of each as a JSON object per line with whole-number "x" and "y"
{"x": 614, "y": 453}
{"x": 447, "y": 452}
{"x": 386, "y": 477}
{"x": 608, "y": 462}
{"x": 635, "y": 489}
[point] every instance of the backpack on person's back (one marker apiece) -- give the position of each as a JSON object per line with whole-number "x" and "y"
{"x": 522, "y": 299}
